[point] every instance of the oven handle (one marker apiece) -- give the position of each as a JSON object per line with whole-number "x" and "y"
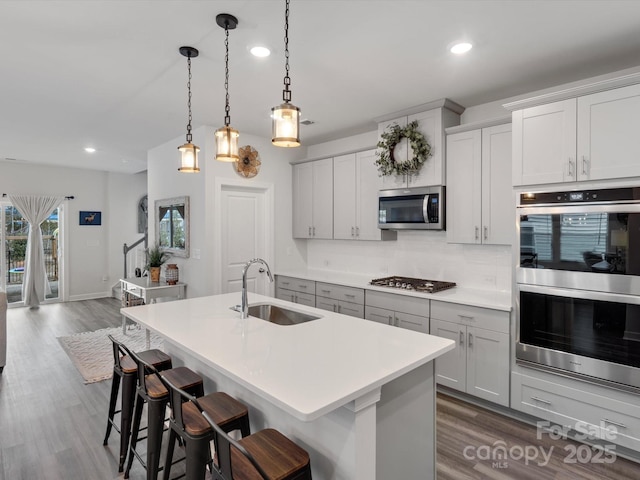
{"x": 632, "y": 206}
{"x": 585, "y": 294}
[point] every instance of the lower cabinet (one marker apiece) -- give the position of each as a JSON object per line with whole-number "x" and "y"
{"x": 398, "y": 310}
{"x": 593, "y": 411}
{"x": 296, "y": 290}
{"x": 340, "y": 299}
{"x": 479, "y": 364}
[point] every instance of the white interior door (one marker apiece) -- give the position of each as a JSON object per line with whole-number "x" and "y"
{"x": 244, "y": 236}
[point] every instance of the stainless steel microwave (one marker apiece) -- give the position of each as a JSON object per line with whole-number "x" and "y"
{"x": 417, "y": 208}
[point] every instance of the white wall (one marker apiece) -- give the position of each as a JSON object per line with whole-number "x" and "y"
{"x": 91, "y": 259}
{"x": 164, "y": 181}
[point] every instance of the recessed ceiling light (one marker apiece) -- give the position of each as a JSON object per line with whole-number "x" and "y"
{"x": 89, "y": 149}
{"x": 460, "y": 48}
{"x": 259, "y": 51}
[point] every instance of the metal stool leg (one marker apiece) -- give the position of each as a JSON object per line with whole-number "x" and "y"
{"x": 156, "y": 411}
{"x": 169, "y": 458}
{"x": 128, "y": 397}
{"x": 135, "y": 429}
{"x": 197, "y": 454}
{"x": 115, "y": 387}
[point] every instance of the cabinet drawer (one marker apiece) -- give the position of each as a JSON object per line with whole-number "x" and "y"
{"x": 305, "y": 299}
{"x": 296, "y": 284}
{"x": 339, "y": 292}
{"x": 398, "y": 303}
{"x": 496, "y": 320}
{"x": 592, "y": 415}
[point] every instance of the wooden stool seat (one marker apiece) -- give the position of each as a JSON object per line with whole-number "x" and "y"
{"x": 155, "y": 357}
{"x": 225, "y": 410}
{"x": 183, "y": 376}
{"x": 279, "y": 457}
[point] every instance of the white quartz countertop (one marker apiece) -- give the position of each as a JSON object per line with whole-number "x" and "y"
{"x": 497, "y": 300}
{"x": 309, "y": 369}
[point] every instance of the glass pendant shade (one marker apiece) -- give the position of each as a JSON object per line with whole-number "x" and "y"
{"x": 189, "y": 163}
{"x": 227, "y": 144}
{"x": 285, "y": 125}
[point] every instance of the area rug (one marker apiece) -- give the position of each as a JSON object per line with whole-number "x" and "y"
{"x": 92, "y": 354}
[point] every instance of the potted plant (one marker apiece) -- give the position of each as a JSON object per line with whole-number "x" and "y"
{"x": 156, "y": 256}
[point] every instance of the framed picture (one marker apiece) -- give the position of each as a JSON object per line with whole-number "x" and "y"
{"x": 90, "y": 218}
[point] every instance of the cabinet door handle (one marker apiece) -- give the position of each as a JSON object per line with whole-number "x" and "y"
{"x": 357, "y": 231}
{"x": 353, "y": 232}
{"x": 338, "y": 308}
{"x": 314, "y": 231}
{"x": 477, "y": 233}
{"x": 302, "y": 286}
{"x": 309, "y": 231}
{"x": 585, "y": 163}
{"x": 541, "y": 400}
{"x": 295, "y": 297}
{"x": 466, "y": 317}
{"x": 617, "y": 424}
{"x": 285, "y": 283}
{"x": 348, "y": 295}
{"x": 461, "y": 337}
{"x": 325, "y": 291}
{"x": 572, "y": 173}
{"x": 391, "y": 320}
{"x": 470, "y": 340}
{"x": 486, "y": 233}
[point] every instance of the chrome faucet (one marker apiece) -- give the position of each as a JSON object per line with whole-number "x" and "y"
{"x": 244, "y": 306}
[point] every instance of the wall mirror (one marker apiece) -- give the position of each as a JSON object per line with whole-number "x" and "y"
{"x": 172, "y": 225}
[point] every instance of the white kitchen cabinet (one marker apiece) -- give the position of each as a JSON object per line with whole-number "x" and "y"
{"x": 611, "y": 415}
{"x": 592, "y": 137}
{"x": 608, "y": 140}
{"x": 401, "y": 311}
{"x": 313, "y": 199}
{"x": 479, "y": 194}
{"x": 340, "y": 299}
{"x": 355, "y": 198}
{"x": 431, "y": 122}
{"x": 479, "y": 364}
{"x": 296, "y": 290}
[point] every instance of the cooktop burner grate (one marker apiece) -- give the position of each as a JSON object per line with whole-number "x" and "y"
{"x": 414, "y": 284}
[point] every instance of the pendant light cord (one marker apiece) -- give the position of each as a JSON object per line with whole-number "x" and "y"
{"x": 286, "y": 93}
{"x": 189, "y": 137}
{"x": 227, "y": 117}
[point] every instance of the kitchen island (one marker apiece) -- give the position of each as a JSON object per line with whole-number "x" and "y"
{"x": 357, "y": 395}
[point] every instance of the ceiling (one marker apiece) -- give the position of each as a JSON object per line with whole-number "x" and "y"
{"x": 107, "y": 73}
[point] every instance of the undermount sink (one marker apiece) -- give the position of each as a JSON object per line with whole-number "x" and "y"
{"x": 279, "y": 315}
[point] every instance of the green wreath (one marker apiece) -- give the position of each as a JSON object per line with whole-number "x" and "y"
{"x": 387, "y": 164}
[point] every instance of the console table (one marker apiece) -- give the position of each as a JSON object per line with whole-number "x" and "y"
{"x": 141, "y": 290}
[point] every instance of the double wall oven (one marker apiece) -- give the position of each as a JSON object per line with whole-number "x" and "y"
{"x": 578, "y": 284}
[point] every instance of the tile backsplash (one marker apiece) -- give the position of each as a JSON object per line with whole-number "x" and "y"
{"x": 417, "y": 254}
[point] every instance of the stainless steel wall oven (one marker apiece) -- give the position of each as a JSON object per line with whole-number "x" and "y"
{"x": 578, "y": 284}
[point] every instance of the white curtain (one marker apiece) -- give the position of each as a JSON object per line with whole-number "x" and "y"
{"x": 35, "y": 210}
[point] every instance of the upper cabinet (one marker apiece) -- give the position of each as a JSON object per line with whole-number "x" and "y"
{"x": 592, "y": 137}
{"x": 313, "y": 199}
{"x": 355, "y": 198}
{"x": 479, "y": 194}
{"x": 432, "y": 119}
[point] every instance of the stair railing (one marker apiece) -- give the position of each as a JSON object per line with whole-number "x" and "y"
{"x": 127, "y": 248}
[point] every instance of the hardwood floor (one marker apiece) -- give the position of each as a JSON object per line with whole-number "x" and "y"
{"x": 52, "y": 425}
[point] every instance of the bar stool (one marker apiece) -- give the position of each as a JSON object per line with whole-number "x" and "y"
{"x": 125, "y": 369}
{"x": 265, "y": 455}
{"x": 153, "y": 393}
{"x": 194, "y": 431}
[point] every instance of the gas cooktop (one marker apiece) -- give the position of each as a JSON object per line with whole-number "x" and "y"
{"x": 412, "y": 284}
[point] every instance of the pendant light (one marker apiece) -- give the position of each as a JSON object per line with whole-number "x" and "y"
{"x": 227, "y": 137}
{"x": 189, "y": 151}
{"x": 286, "y": 117}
